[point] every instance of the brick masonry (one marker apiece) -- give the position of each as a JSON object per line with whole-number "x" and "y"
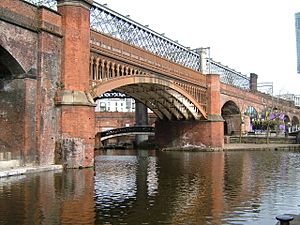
{"x": 113, "y": 120}
{"x": 197, "y": 133}
{"x": 44, "y": 68}
{"x": 31, "y": 39}
{"x": 193, "y": 133}
{"x": 77, "y": 109}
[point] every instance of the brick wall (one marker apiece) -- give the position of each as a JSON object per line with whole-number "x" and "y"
{"x": 182, "y": 133}
{"x": 112, "y": 120}
{"x": 32, "y": 38}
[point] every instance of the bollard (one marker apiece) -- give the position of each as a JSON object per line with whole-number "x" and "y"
{"x": 284, "y": 219}
{"x": 1, "y": 156}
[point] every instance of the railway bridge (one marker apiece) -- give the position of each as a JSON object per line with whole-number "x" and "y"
{"x": 57, "y": 56}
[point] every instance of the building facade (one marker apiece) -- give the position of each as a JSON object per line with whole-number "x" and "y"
{"x": 291, "y": 97}
{"x": 115, "y": 105}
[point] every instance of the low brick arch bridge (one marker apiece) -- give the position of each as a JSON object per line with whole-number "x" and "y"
{"x": 54, "y": 63}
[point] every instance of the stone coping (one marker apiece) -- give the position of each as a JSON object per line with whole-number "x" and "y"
{"x": 263, "y": 147}
{"x": 238, "y": 147}
{"x": 26, "y": 170}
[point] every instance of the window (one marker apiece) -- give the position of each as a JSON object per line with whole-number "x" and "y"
{"x": 102, "y": 107}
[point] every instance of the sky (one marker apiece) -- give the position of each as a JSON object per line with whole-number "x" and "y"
{"x": 250, "y": 36}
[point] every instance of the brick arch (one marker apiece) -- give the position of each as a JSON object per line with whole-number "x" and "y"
{"x": 9, "y": 66}
{"x": 286, "y": 118}
{"x": 230, "y": 107}
{"x": 12, "y": 107}
{"x": 251, "y": 111}
{"x": 295, "y": 120}
{"x": 231, "y": 113}
{"x": 295, "y": 123}
{"x": 172, "y": 101}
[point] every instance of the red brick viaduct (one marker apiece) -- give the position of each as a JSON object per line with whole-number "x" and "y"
{"x": 52, "y": 66}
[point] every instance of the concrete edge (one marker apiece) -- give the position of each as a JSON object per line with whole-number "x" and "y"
{"x": 28, "y": 170}
{"x": 295, "y": 147}
{"x": 291, "y": 147}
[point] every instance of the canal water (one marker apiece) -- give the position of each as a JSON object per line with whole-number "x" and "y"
{"x": 149, "y": 187}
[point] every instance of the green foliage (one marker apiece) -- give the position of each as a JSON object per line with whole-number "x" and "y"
{"x": 60, "y": 85}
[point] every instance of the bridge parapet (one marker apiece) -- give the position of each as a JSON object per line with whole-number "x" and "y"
{"x": 228, "y": 75}
{"x": 107, "y": 21}
{"x": 119, "y": 62}
{"x": 157, "y": 92}
{"x": 108, "y": 47}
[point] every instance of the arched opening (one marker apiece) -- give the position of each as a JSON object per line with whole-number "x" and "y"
{"x": 250, "y": 116}
{"x": 9, "y": 66}
{"x": 295, "y": 124}
{"x": 287, "y": 124}
{"x": 232, "y": 116}
{"x": 12, "y": 107}
{"x": 167, "y": 101}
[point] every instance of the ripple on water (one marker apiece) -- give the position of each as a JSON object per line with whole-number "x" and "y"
{"x": 246, "y": 188}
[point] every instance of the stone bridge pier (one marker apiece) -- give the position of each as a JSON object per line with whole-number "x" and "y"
{"x": 206, "y": 133}
{"x": 76, "y": 146}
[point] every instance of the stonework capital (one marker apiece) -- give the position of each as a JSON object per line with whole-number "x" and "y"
{"x": 83, "y": 3}
{"x": 72, "y": 97}
{"x": 215, "y": 118}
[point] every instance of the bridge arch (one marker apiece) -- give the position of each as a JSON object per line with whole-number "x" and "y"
{"x": 9, "y": 66}
{"x": 251, "y": 112}
{"x": 295, "y": 123}
{"x": 232, "y": 116}
{"x": 12, "y": 107}
{"x": 166, "y": 99}
{"x": 250, "y": 115}
{"x": 286, "y": 119}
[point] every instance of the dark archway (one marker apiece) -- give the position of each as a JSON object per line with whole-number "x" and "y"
{"x": 232, "y": 116}
{"x": 12, "y": 107}
{"x": 9, "y": 66}
{"x": 286, "y": 119}
{"x": 295, "y": 123}
{"x": 287, "y": 124}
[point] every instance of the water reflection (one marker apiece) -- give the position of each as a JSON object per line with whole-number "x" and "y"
{"x": 205, "y": 188}
{"x": 148, "y": 187}
{"x": 48, "y": 198}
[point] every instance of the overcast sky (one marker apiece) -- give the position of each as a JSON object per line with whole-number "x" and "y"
{"x": 250, "y": 36}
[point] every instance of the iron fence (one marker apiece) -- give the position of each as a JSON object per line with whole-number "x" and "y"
{"x": 105, "y": 20}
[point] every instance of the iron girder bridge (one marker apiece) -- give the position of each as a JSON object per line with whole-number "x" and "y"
{"x": 126, "y": 131}
{"x": 107, "y": 21}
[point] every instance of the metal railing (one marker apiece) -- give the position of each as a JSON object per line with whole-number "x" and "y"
{"x": 124, "y": 130}
{"x": 107, "y": 21}
{"x": 228, "y": 75}
{"x": 52, "y": 4}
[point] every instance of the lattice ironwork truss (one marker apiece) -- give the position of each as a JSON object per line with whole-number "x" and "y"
{"x": 52, "y": 4}
{"x": 105, "y": 20}
{"x": 229, "y": 76}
